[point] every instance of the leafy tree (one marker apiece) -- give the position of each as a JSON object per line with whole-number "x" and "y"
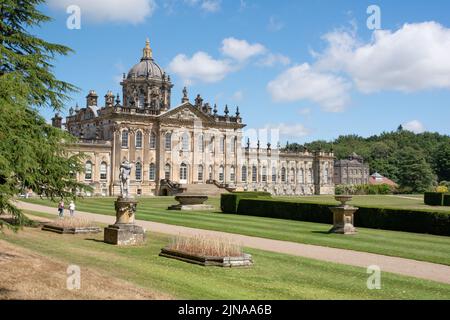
{"x": 33, "y": 154}
{"x": 442, "y": 162}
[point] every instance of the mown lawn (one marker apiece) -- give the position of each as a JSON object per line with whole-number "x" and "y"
{"x": 274, "y": 276}
{"x": 401, "y": 244}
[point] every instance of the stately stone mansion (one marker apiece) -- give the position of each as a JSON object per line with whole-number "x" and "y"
{"x": 182, "y": 148}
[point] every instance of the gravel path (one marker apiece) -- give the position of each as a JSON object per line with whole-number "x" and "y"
{"x": 407, "y": 267}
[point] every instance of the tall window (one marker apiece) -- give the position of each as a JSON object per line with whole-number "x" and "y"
{"x": 292, "y": 175}
{"x": 152, "y": 140}
{"x": 301, "y": 176}
{"x": 201, "y": 143}
{"x": 138, "y": 171}
{"x": 103, "y": 171}
{"x": 183, "y": 171}
{"x": 88, "y": 171}
{"x": 141, "y": 101}
{"x": 283, "y": 174}
{"x": 168, "y": 141}
{"x": 200, "y": 173}
{"x": 254, "y": 174}
{"x": 185, "y": 141}
{"x": 167, "y": 172}
{"x": 221, "y": 173}
{"x": 139, "y": 139}
{"x": 211, "y": 145}
{"x": 210, "y": 173}
{"x": 222, "y": 144}
{"x": 152, "y": 172}
{"x": 274, "y": 174}
{"x": 125, "y": 139}
{"x": 232, "y": 174}
{"x": 244, "y": 174}
{"x": 310, "y": 175}
{"x": 264, "y": 174}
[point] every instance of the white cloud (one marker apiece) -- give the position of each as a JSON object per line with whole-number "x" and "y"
{"x": 273, "y": 59}
{"x": 414, "y": 126}
{"x": 413, "y": 58}
{"x": 289, "y": 130}
{"x": 241, "y": 50}
{"x": 211, "y": 5}
{"x": 302, "y": 82}
{"x": 130, "y": 11}
{"x": 200, "y": 67}
{"x": 275, "y": 24}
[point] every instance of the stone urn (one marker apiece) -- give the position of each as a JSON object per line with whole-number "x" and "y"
{"x": 343, "y": 216}
{"x": 191, "y": 202}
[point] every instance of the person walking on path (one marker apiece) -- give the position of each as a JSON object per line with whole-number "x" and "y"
{"x": 61, "y": 209}
{"x": 72, "y": 208}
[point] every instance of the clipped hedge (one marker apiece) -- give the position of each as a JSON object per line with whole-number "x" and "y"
{"x": 434, "y": 198}
{"x": 447, "y": 200}
{"x": 437, "y": 223}
{"x": 229, "y": 202}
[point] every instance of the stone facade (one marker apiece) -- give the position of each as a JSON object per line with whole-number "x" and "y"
{"x": 351, "y": 171}
{"x": 188, "y": 144}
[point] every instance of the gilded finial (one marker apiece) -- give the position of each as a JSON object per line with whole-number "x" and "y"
{"x": 148, "y": 53}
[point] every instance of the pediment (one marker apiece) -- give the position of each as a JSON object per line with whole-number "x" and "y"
{"x": 185, "y": 113}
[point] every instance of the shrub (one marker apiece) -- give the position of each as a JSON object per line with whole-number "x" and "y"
{"x": 229, "y": 202}
{"x": 434, "y": 198}
{"x": 442, "y": 189}
{"x": 365, "y": 189}
{"x": 447, "y": 200}
{"x": 437, "y": 223}
{"x": 72, "y": 222}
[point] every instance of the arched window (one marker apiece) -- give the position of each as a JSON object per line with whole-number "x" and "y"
{"x": 264, "y": 174}
{"x": 283, "y": 174}
{"x": 254, "y": 174}
{"x": 292, "y": 176}
{"x": 153, "y": 140}
{"x": 103, "y": 171}
{"x": 183, "y": 172}
{"x": 152, "y": 172}
{"x": 168, "y": 141}
{"x": 138, "y": 139}
{"x": 221, "y": 173}
{"x": 138, "y": 171}
{"x": 232, "y": 174}
{"x": 167, "y": 172}
{"x": 125, "y": 139}
{"x": 88, "y": 171}
{"x": 310, "y": 175}
{"x": 244, "y": 174}
{"x": 201, "y": 143}
{"x": 141, "y": 101}
{"x": 274, "y": 174}
{"x": 200, "y": 173}
{"x": 185, "y": 141}
{"x": 222, "y": 144}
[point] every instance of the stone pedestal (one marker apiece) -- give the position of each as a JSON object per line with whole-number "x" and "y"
{"x": 343, "y": 217}
{"x": 125, "y": 232}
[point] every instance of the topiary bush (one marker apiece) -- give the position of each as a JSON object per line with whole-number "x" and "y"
{"x": 434, "y": 198}
{"x": 437, "y": 223}
{"x": 229, "y": 202}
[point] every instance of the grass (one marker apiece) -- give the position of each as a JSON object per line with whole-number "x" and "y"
{"x": 401, "y": 244}
{"x": 205, "y": 246}
{"x": 274, "y": 276}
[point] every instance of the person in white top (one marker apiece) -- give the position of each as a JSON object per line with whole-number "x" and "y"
{"x": 72, "y": 208}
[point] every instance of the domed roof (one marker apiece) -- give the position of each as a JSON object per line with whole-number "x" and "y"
{"x": 147, "y": 67}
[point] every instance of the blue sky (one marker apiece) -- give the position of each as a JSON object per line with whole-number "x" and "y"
{"x": 312, "y": 69}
